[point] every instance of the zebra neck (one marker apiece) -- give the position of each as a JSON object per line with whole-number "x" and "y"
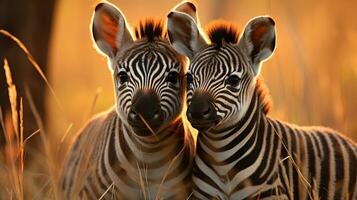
{"x": 231, "y": 145}
{"x": 249, "y": 121}
{"x": 151, "y": 150}
{"x": 170, "y": 132}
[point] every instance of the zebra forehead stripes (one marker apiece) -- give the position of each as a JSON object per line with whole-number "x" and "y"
{"x": 151, "y": 48}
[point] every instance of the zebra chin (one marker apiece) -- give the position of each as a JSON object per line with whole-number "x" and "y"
{"x": 143, "y": 126}
{"x": 203, "y": 126}
{"x": 203, "y": 122}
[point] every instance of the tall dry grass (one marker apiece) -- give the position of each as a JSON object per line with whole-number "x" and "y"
{"x": 13, "y": 155}
{"x": 312, "y": 78}
{"x": 18, "y": 181}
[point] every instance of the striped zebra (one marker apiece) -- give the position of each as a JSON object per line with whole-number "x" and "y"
{"x": 139, "y": 149}
{"x": 241, "y": 152}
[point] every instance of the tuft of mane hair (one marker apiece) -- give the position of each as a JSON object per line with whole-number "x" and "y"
{"x": 264, "y": 97}
{"x": 150, "y": 29}
{"x": 220, "y": 32}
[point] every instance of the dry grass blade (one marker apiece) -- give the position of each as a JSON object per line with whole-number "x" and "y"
{"x": 2, "y": 120}
{"x": 67, "y": 132}
{"x": 189, "y": 196}
{"x": 167, "y": 173}
{"x": 304, "y": 181}
{"x": 51, "y": 164}
{"x": 34, "y": 63}
{"x": 142, "y": 183}
{"x": 147, "y": 125}
{"x": 21, "y": 145}
{"x": 31, "y": 135}
{"x": 282, "y": 160}
{"x": 90, "y": 112}
{"x": 12, "y": 97}
{"x": 14, "y": 153}
{"x": 106, "y": 191}
{"x": 97, "y": 93}
{"x": 39, "y": 192}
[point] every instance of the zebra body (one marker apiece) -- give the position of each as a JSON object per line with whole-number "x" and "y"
{"x": 139, "y": 149}
{"x": 241, "y": 152}
{"x": 112, "y": 161}
{"x": 264, "y": 158}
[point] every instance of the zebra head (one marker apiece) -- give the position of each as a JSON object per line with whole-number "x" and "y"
{"x": 222, "y": 73}
{"x": 147, "y": 71}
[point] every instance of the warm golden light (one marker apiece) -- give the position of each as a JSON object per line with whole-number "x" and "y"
{"x": 312, "y": 76}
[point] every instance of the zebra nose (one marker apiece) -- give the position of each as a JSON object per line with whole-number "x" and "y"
{"x": 201, "y": 112}
{"x": 145, "y": 109}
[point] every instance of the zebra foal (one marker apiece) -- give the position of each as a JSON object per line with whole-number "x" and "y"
{"x": 241, "y": 152}
{"x": 140, "y": 148}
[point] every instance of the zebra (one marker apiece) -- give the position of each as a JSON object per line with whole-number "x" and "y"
{"x": 140, "y": 148}
{"x": 241, "y": 152}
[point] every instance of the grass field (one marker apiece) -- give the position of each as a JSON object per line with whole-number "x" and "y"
{"x": 312, "y": 78}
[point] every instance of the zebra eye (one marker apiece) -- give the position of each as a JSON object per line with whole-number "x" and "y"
{"x": 173, "y": 77}
{"x": 189, "y": 79}
{"x": 123, "y": 77}
{"x": 233, "y": 80}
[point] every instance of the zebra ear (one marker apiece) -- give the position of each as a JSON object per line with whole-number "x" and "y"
{"x": 258, "y": 40}
{"x": 109, "y": 29}
{"x": 187, "y": 8}
{"x": 183, "y": 30}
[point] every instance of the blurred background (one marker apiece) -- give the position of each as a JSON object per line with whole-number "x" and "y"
{"x": 312, "y": 77}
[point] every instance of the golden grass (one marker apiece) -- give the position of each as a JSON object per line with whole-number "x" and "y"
{"x": 26, "y": 178}
{"x": 13, "y": 154}
{"x": 33, "y": 62}
{"x": 12, "y": 161}
{"x": 50, "y": 163}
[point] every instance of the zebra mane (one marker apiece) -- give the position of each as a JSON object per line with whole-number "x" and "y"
{"x": 264, "y": 97}
{"x": 220, "y": 31}
{"x": 150, "y": 29}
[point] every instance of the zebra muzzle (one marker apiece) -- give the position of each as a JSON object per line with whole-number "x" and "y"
{"x": 201, "y": 112}
{"x": 146, "y": 112}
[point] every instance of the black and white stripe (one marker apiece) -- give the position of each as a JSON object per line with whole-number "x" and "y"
{"x": 148, "y": 65}
{"x": 108, "y": 158}
{"x": 264, "y": 158}
{"x": 111, "y": 159}
{"x": 243, "y": 153}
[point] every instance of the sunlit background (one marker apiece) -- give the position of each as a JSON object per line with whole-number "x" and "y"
{"x": 312, "y": 77}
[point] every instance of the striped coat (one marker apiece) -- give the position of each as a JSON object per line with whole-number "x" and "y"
{"x": 107, "y": 159}
{"x": 264, "y": 158}
{"x": 139, "y": 149}
{"x": 241, "y": 152}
